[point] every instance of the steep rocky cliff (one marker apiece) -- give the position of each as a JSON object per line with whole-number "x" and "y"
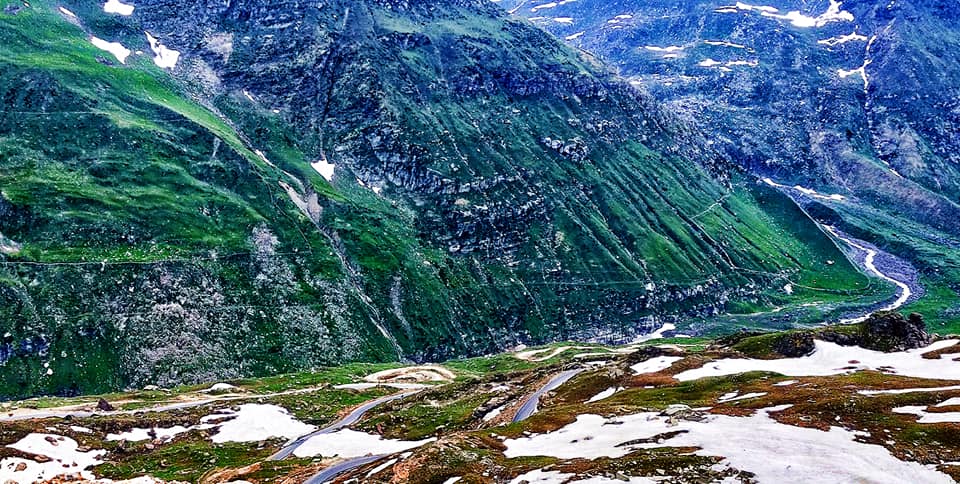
{"x": 204, "y": 190}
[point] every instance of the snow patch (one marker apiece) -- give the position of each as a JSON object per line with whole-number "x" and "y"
{"x": 67, "y": 12}
{"x": 256, "y": 422}
{"x": 348, "y": 443}
{"x": 806, "y": 191}
{"x": 653, "y": 365}
{"x": 736, "y": 397}
{"x": 721, "y": 43}
{"x": 164, "y": 57}
{"x": 834, "y": 13}
{"x": 843, "y": 39}
{"x": 62, "y": 452}
{"x": 219, "y": 387}
{"x": 324, "y": 168}
{"x": 115, "y": 48}
{"x": 118, "y": 7}
{"x": 833, "y": 359}
{"x": 755, "y": 444}
{"x": 574, "y": 36}
{"x": 928, "y": 417}
{"x": 159, "y": 433}
{"x": 544, "y": 6}
{"x": 609, "y": 392}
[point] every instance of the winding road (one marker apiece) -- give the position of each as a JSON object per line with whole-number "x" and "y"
{"x": 346, "y": 421}
{"x": 529, "y": 407}
{"x": 335, "y": 470}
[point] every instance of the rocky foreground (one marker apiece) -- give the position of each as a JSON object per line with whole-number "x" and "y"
{"x": 875, "y": 402}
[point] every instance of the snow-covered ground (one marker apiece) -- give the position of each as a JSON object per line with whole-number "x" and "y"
{"x": 348, "y": 443}
{"x": 925, "y": 416}
{"x": 115, "y": 48}
{"x": 654, "y": 365}
{"x": 834, "y": 13}
{"x": 903, "y": 391}
{"x": 164, "y": 57}
{"x": 541, "y": 476}
{"x": 609, "y": 392}
{"x": 62, "y": 452}
{"x": 736, "y": 397}
{"x": 256, "y": 422}
{"x": 324, "y": 168}
{"x": 833, "y": 359}
{"x": 138, "y": 434}
{"x": 118, "y": 7}
{"x": 774, "y": 452}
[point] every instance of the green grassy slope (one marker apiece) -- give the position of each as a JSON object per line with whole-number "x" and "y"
{"x": 147, "y": 242}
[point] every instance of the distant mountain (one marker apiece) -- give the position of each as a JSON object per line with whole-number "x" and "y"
{"x": 208, "y": 190}
{"x": 859, "y": 98}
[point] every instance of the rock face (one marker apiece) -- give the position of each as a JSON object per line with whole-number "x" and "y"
{"x": 795, "y": 345}
{"x": 893, "y": 332}
{"x": 181, "y": 224}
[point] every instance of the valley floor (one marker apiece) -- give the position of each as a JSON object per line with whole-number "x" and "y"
{"x": 673, "y": 410}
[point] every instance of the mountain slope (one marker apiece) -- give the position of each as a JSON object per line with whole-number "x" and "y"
{"x": 310, "y": 184}
{"x": 856, "y": 98}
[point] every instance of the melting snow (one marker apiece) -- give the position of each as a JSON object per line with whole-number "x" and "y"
{"x": 671, "y": 48}
{"x": 138, "y": 434}
{"x": 843, "y": 39}
{"x": 164, "y": 57}
{"x": 736, "y": 397}
{"x": 544, "y": 6}
{"x": 563, "y": 20}
{"x": 902, "y": 391}
{"x": 834, "y": 13}
{"x": 928, "y": 417}
{"x": 806, "y": 191}
{"x": 348, "y": 443}
{"x": 324, "y": 169}
{"x": 658, "y": 334}
{"x": 115, "y": 48}
{"x": 654, "y": 365}
{"x": 833, "y": 359}
{"x": 724, "y": 44}
{"x": 574, "y": 36}
{"x": 774, "y": 452}
{"x": 493, "y": 414}
{"x": 62, "y": 452}
{"x": 609, "y": 392}
{"x": 540, "y": 476}
{"x": 67, "y": 12}
{"x": 786, "y": 383}
{"x": 219, "y": 387}
{"x": 381, "y": 467}
{"x": 255, "y": 422}
{"x": 118, "y": 7}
